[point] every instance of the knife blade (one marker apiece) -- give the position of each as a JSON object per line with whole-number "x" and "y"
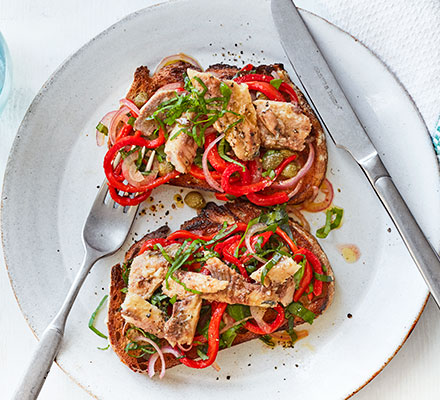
{"x": 342, "y": 124}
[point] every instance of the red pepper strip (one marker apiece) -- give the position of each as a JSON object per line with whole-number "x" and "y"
{"x": 305, "y": 281}
{"x": 287, "y": 239}
{"x": 246, "y": 68}
{"x": 188, "y": 235}
{"x": 254, "y": 77}
{"x": 128, "y": 201}
{"x": 125, "y": 130}
{"x": 233, "y": 260}
{"x": 159, "y": 141}
{"x": 269, "y": 199}
{"x": 265, "y": 235}
{"x": 205, "y": 271}
{"x": 267, "y": 89}
{"x": 222, "y": 197}
{"x": 284, "y": 87}
{"x": 213, "y": 338}
{"x": 317, "y": 267}
{"x": 197, "y": 172}
{"x": 109, "y": 172}
{"x": 220, "y": 246}
{"x": 214, "y": 158}
{"x": 241, "y": 190}
{"x": 118, "y": 172}
{"x": 279, "y": 320}
{"x": 283, "y": 165}
{"x": 199, "y": 338}
{"x": 149, "y": 244}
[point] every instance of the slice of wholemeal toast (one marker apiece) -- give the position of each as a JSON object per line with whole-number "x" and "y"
{"x": 208, "y": 221}
{"x": 144, "y": 86}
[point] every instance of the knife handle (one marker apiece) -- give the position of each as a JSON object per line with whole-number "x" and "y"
{"x": 423, "y": 254}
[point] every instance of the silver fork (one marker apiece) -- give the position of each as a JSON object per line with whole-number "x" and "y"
{"x": 104, "y": 232}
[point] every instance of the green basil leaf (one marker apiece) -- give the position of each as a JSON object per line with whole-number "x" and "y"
{"x": 238, "y": 311}
{"x": 322, "y": 277}
{"x": 201, "y": 354}
{"x": 269, "y": 265}
{"x": 330, "y": 222}
{"x": 93, "y": 317}
{"x": 267, "y": 340}
{"x": 299, "y": 310}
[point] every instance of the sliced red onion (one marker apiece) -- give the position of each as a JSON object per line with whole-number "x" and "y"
{"x": 230, "y": 325}
{"x": 247, "y": 239}
{"x": 183, "y": 348}
{"x": 206, "y": 171}
{"x": 131, "y": 106}
{"x": 258, "y": 314}
{"x": 133, "y": 175}
{"x": 312, "y": 206}
{"x": 152, "y": 360}
{"x": 120, "y": 115}
{"x": 299, "y": 217}
{"x": 177, "y": 57}
{"x": 295, "y": 191}
{"x": 155, "y": 356}
{"x": 291, "y": 182}
{"x": 100, "y": 137}
{"x": 275, "y": 74}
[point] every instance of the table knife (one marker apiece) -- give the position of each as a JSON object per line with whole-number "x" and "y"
{"x": 345, "y": 129}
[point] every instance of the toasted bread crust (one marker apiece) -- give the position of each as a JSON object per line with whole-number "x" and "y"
{"x": 174, "y": 73}
{"x": 208, "y": 221}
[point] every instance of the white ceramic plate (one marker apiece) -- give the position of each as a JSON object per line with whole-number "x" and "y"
{"x": 54, "y": 169}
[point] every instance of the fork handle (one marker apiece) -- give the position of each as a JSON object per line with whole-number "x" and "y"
{"x": 47, "y": 349}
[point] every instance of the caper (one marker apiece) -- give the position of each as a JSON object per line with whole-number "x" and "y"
{"x": 271, "y": 159}
{"x": 287, "y": 153}
{"x": 165, "y": 168}
{"x": 140, "y": 99}
{"x": 195, "y": 200}
{"x": 290, "y": 171}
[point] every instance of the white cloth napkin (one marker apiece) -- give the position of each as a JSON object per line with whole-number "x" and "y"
{"x": 405, "y": 34}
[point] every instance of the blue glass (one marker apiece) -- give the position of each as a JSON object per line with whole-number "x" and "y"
{"x": 5, "y": 73}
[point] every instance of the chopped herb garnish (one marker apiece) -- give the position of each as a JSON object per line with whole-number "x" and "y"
{"x": 267, "y": 340}
{"x": 333, "y": 218}
{"x": 131, "y": 121}
{"x": 93, "y": 317}
{"x": 201, "y": 354}
{"x": 104, "y": 348}
{"x": 322, "y": 277}
{"x": 269, "y": 265}
{"x": 276, "y": 83}
{"x": 102, "y": 128}
{"x": 222, "y": 153}
{"x": 228, "y": 337}
{"x": 135, "y": 346}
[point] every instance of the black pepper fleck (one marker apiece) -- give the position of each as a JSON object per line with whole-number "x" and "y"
{"x": 349, "y": 315}
{"x": 228, "y": 377}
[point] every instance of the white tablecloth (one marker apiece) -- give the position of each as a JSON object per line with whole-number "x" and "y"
{"x": 42, "y": 34}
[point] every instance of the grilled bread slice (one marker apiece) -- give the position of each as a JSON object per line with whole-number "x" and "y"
{"x": 144, "y": 86}
{"x": 209, "y": 220}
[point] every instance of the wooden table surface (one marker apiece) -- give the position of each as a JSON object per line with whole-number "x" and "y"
{"x": 40, "y": 35}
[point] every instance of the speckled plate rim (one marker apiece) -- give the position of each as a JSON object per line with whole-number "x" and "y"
{"x": 65, "y": 64}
